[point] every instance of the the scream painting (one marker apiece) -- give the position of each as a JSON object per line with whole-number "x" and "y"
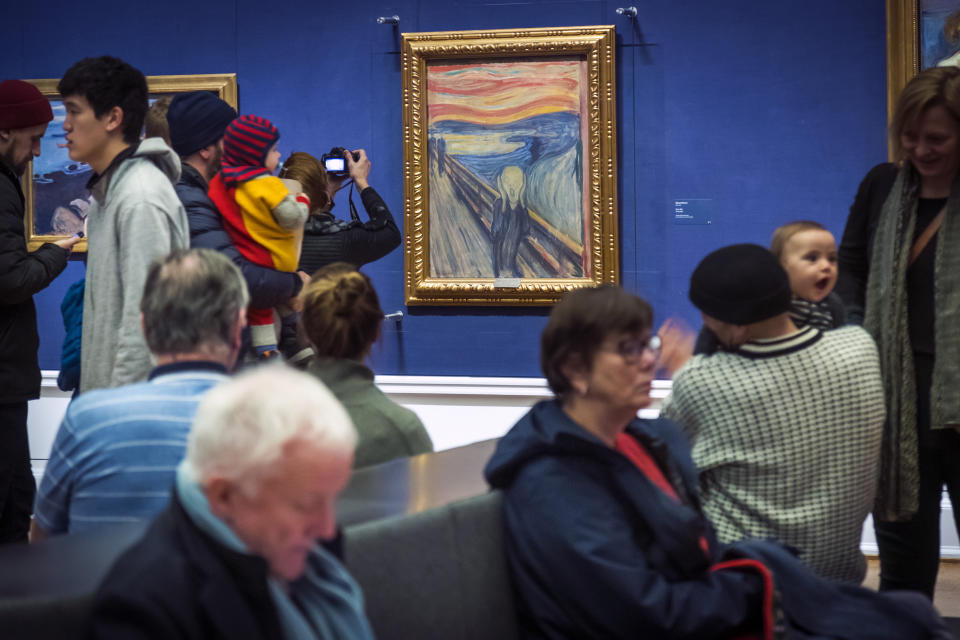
{"x": 506, "y": 168}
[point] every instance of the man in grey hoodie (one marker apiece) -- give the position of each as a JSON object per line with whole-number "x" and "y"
{"x": 136, "y": 217}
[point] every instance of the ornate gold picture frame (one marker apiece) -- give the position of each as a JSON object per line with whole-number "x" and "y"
{"x": 903, "y": 33}
{"x": 59, "y": 183}
{"x": 510, "y": 164}
{"x": 920, "y": 34}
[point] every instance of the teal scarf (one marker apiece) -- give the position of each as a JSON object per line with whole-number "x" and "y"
{"x": 324, "y": 603}
{"x": 886, "y": 320}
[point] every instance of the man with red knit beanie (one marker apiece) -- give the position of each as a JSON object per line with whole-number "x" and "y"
{"x": 259, "y": 213}
{"x": 24, "y": 115}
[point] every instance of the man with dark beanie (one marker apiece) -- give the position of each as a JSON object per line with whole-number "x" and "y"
{"x": 24, "y": 115}
{"x": 197, "y": 122}
{"x": 785, "y": 423}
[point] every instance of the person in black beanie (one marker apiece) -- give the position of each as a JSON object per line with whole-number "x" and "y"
{"x": 785, "y": 423}
{"x": 738, "y": 286}
{"x": 197, "y": 123}
{"x": 24, "y": 115}
{"x": 739, "y": 306}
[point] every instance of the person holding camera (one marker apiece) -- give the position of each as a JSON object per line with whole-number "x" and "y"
{"x": 325, "y": 238}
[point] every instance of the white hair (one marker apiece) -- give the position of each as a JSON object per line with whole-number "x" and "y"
{"x": 243, "y": 425}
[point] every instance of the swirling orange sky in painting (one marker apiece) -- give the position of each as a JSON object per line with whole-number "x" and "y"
{"x": 500, "y": 92}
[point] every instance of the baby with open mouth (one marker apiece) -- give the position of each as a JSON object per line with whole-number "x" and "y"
{"x": 808, "y": 253}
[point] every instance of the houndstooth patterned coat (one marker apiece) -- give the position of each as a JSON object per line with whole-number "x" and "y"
{"x": 786, "y": 434}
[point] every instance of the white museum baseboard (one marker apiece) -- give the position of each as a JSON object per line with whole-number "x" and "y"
{"x": 455, "y": 410}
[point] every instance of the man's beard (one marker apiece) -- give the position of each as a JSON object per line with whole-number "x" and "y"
{"x": 17, "y": 169}
{"x": 216, "y": 162}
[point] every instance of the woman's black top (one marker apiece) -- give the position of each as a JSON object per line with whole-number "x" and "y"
{"x": 920, "y": 280}
{"x": 327, "y": 240}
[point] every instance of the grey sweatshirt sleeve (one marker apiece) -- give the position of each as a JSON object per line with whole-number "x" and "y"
{"x": 145, "y": 233}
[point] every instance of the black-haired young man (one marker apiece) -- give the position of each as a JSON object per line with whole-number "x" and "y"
{"x": 136, "y": 217}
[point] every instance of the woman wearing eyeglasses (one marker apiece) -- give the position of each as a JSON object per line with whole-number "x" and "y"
{"x": 604, "y": 530}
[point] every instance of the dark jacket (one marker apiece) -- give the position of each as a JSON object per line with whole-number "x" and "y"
{"x": 268, "y": 287}
{"x": 597, "y": 550}
{"x": 178, "y": 583}
{"x": 327, "y": 240}
{"x": 856, "y": 247}
{"x": 22, "y": 274}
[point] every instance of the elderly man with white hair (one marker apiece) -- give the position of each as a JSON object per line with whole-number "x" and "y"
{"x": 237, "y": 554}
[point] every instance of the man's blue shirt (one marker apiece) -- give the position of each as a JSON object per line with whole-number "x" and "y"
{"x": 115, "y": 455}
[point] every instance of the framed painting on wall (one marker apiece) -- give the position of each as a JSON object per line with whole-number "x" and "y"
{"x": 509, "y": 143}
{"x": 920, "y": 34}
{"x": 57, "y": 199}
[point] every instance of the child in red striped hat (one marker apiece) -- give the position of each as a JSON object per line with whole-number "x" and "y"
{"x": 264, "y": 220}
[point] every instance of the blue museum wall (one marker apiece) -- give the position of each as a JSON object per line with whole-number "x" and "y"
{"x": 758, "y": 112}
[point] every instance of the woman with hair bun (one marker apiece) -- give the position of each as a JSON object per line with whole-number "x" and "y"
{"x": 341, "y": 318}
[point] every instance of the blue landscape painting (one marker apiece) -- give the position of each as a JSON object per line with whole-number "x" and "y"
{"x": 506, "y": 163}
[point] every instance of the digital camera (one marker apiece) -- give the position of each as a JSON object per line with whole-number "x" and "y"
{"x": 335, "y": 162}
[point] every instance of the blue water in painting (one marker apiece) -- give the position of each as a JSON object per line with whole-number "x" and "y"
{"x": 58, "y": 181}
{"x": 541, "y": 136}
{"x": 548, "y": 150}
{"x": 934, "y": 46}
{"x": 54, "y": 158}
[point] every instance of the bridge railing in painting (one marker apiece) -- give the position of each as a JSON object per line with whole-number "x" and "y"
{"x": 546, "y": 245}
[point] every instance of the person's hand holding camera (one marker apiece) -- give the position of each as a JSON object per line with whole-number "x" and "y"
{"x": 358, "y": 169}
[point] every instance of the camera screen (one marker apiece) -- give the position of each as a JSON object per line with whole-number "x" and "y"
{"x": 335, "y": 164}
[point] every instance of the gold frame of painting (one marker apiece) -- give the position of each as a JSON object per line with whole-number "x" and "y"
{"x": 903, "y": 47}
{"x": 599, "y": 260}
{"x": 223, "y": 84}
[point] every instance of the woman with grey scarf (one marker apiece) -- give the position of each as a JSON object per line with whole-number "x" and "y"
{"x": 900, "y": 276}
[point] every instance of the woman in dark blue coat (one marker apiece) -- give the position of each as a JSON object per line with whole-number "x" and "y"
{"x": 605, "y": 534}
